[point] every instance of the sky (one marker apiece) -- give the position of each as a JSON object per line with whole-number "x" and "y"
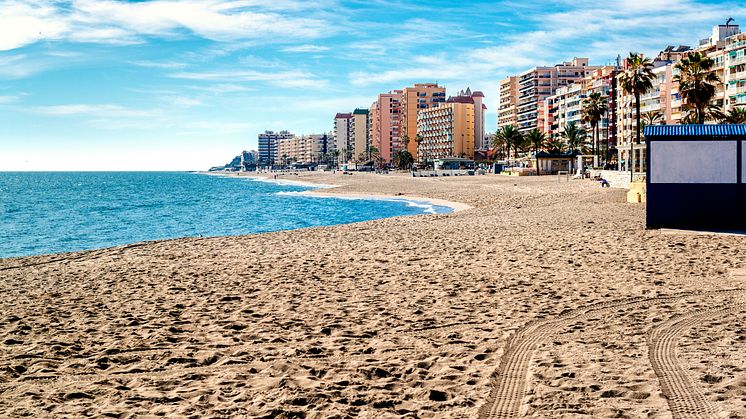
{"x": 186, "y": 85}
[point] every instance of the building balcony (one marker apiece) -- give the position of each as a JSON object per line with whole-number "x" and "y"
{"x": 738, "y": 90}
{"x": 739, "y": 76}
{"x": 736, "y": 61}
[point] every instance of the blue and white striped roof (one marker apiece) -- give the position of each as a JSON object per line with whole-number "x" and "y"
{"x": 706, "y": 130}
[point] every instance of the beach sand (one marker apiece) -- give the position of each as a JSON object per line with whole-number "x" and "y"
{"x": 541, "y": 299}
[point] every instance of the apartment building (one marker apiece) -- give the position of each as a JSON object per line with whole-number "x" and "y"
{"x": 360, "y": 139}
{"x": 267, "y": 147}
{"x": 662, "y": 99}
{"x": 507, "y": 112}
{"x": 413, "y": 99}
{"x": 452, "y": 129}
{"x": 536, "y": 85}
{"x": 735, "y": 72}
{"x": 566, "y": 105}
{"x": 385, "y": 123}
{"x": 305, "y": 149}
{"x": 343, "y": 135}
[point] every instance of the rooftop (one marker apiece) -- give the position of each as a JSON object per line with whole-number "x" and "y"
{"x": 707, "y": 130}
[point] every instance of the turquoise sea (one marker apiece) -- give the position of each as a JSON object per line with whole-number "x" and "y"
{"x": 54, "y": 212}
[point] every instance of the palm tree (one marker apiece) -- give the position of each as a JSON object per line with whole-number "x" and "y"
{"x": 636, "y": 80}
{"x": 403, "y": 159}
{"x": 511, "y": 137}
{"x": 697, "y": 82}
{"x": 653, "y": 118}
{"x": 594, "y": 108}
{"x": 375, "y": 155}
{"x": 418, "y": 139}
{"x": 574, "y": 136}
{"x": 689, "y": 117}
{"x": 336, "y": 154}
{"x": 734, "y": 116}
{"x": 536, "y": 138}
{"x": 498, "y": 143}
{"x": 555, "y": 144}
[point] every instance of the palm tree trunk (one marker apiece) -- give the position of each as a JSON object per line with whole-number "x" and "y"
{"x": 637, "y": 110}
{"x": 593, "y": 140}
{"x": 598, "y": 142}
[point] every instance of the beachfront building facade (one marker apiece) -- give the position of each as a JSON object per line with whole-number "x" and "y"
{"x": 446, "y": 131}
{"x": 343, "y": 135}
{"x": 452, "y": 129}
{"x": 413, "y": 99}
{"x": 565, "y": 106}
{"x": 534, "y": 86}
{"x": 351, "y": 135}
{"x": 665, "y": 100}
{"x": 360, "y": 139}
{"x": 481, "y": 142}
{"x": 507, "y": 110}
{"x": 267, "y": 146}
{"x": 735, "y": 72}
{"x": 385, "y": 123}
{"x": 305, "y": 149}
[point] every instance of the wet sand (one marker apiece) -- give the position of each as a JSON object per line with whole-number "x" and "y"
{"x": 540, "y": 299}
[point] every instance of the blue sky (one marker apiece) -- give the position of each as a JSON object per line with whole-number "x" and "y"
{"x": 184, "y": 85}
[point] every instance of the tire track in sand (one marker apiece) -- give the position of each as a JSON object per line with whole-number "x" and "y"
{"x": 506, "y": 397}
{"x": 684, "y": 396}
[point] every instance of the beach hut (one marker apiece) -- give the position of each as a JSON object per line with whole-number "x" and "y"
{"x": 696, "y": 177}
{"x": 550, "y": 163}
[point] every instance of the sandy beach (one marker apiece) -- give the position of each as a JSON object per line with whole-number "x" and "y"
{"x": 537, "y": 298}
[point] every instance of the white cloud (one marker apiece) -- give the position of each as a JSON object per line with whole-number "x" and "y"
{"x": 19, "y": 66}
{"x": 219, "y": 126}
{"x": 306, "y": 48}
{"x": 293, "y": 78}
{"x": 222, "y": 88}
{"x": 24, "y": 22}
{"x": 98, "y": 110}
{"x": 184, "y": 102}
{"x": 5, "y": 99}
{"x": 164, "y": 65}
{"x": 583, "y": 28}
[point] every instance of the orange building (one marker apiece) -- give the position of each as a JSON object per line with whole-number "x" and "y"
{"x": 421, "y": 96}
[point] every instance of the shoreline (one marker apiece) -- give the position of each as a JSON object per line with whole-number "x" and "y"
{"x": 319, "y": 190}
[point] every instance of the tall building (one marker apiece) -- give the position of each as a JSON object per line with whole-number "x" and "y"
{"x": 535, "y": 86}
{"x": 385, "y": 124}
{"x": 507, "y": 110}
{"x": 481, "y": 142}
{"x": 343, "y": 136}
{"x": 565, "y": 106}
{"x": 413, "y": 99}
{"x": 360, "y": 134}
{"x": 267, "y": 154}
{"x": 452, "y": 129}
{"x": 735, "y": 72}
{"x": 305, "y": 149}
{"x": 352, "y": 134}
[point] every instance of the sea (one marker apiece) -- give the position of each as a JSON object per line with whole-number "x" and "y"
{"x": 56, "y": 212}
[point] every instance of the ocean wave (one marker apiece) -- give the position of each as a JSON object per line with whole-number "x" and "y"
{"x": 288, "y": 182}
{"x": 292, "y": 193}
{"x": 427, "y": 207}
